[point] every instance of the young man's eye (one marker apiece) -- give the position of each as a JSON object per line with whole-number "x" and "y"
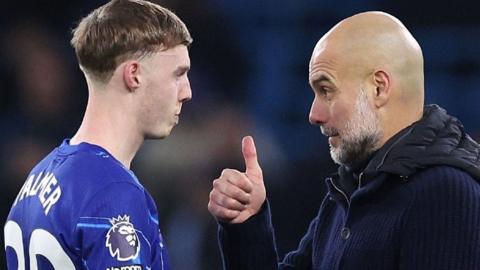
{"x": 181, "y": 72}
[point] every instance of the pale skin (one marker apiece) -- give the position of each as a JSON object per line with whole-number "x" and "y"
{"x": 142, "y": 99}
{"x": 372, "y": 51}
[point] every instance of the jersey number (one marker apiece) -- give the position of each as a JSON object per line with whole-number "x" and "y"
{"x": 41, "y": 243}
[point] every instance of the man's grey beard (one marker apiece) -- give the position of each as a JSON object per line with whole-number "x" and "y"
{"x": 360, "y": 135}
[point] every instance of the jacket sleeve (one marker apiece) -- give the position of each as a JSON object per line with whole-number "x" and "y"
{"x": 442, "y": 226}
{"x": 251, "y": 245}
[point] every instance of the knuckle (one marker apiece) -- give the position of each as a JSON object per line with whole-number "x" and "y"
{"x": 229, "y": 213}
{"x": 236, "y": 193}
{"x": 227, "y": 189}
{"x": 244, "y": 178}
{"x": 214, "y": 197}
{"x": 226, "y": 171}
{"x": 222, "y": 213}
{"x": 231, "y": 174}
{"x": 229, "y": 202}
{"x": 236, "y": 173}
{"x": 246, "y": 183}
{"x": 221, "y": 200}
{"x": 233, "y": 203}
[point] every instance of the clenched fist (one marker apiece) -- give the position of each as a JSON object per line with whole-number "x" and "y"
{"x": 236, "y": 195}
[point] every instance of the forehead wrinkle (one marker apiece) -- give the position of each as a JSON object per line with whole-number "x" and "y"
{"x": 322, "y": 71}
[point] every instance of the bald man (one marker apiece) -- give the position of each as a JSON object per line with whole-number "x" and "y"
{"x": 406, "y": 195}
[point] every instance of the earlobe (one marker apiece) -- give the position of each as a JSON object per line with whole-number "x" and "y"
{"x": 131, "y": 76}
{"x": 382, "y": 82}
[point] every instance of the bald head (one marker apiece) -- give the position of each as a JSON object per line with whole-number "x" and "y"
{"x": 367, "y": 76}
{"x": 372, "y": 41}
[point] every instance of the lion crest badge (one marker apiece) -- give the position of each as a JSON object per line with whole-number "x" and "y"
{"x": 122, "y": 239}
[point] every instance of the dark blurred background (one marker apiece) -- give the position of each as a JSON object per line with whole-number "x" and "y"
{"x": 249, "y": 76}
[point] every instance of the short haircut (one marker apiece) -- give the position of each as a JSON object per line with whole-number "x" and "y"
{"x": 122, "y": 29}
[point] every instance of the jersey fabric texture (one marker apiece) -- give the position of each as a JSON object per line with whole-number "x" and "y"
{"x": 415, "y": 206}
{"x": 80, "y": 208}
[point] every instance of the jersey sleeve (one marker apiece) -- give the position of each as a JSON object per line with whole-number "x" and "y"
{"x": 117, "y": 229}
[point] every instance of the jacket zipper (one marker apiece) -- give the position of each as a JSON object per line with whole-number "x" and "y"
{"x": 340, "y": 191}
{"x": 360, "y": 176}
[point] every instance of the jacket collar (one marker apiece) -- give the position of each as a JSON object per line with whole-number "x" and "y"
{"x": 436, "y": 139}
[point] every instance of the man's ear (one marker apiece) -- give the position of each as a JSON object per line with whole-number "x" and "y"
{"x": 131, "y": 75}
{"x": 382, "y": 82}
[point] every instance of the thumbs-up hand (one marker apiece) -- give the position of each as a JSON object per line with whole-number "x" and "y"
{"x": 236, "y": 195}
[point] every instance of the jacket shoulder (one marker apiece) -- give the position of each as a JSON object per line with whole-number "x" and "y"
{"x": 444, "y": 176}
{"x": 444, "y": 185}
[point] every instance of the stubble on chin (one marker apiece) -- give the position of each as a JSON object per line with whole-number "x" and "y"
{"x": 361, "y": 134}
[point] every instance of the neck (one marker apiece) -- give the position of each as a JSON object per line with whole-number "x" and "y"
{"x": 106, "y": 125}
{"x": 399, "y": 121}
{"x": 359, "y": 165}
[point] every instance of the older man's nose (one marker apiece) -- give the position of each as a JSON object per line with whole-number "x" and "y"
{"x": 318, "y": 113}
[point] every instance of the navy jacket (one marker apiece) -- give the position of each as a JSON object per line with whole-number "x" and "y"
{"x": 416, "y": 206}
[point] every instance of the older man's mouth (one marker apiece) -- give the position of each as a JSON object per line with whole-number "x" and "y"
{"x": 329, "y": 132}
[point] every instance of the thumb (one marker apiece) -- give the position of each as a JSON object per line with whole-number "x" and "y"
{"x": 250, "y": 156}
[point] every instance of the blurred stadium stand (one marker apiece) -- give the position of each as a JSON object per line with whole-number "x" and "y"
{"x": 249, "y": 76}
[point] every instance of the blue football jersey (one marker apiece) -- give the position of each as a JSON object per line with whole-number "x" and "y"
{"x": 80, "y": 208}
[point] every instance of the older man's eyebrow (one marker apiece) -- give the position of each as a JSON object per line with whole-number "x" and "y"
{"x": 321, "y": 78}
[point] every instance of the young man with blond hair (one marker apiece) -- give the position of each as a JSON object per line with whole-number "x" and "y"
{"x": 82, "y": 207}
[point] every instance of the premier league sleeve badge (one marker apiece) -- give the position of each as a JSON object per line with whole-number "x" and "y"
{"x": 122, "y": 240}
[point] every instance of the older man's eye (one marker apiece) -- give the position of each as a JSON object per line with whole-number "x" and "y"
{"x": 327, "y": 93}
{"x": 324, "y": 91}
